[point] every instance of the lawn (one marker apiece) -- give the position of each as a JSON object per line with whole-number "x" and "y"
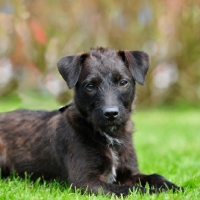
{"x": 167, "y": 141}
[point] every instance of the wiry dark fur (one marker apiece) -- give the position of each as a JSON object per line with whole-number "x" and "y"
{"x": 89, "y": 142}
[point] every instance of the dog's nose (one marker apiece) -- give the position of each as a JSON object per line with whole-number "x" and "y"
{"x": 111, "y": 113}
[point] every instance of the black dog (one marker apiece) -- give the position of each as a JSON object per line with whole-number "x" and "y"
{"x": 89, "y": 142}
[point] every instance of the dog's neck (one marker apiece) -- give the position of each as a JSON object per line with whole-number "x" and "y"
{"x": 75, "y": 117}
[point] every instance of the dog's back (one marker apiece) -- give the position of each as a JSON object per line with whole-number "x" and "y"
{"x": 25, "y": 142}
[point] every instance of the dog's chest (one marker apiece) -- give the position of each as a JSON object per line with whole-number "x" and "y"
{"x": 111, "y": 176}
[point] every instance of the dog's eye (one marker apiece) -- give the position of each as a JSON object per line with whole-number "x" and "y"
{"x": 123, "y": 83}
{"x": 89, "y": 86}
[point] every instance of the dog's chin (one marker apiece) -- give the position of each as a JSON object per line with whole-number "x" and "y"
{"x": 109, "y": 127}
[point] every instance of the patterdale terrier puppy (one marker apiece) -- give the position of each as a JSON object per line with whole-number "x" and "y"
{"x": 89, "y": 142}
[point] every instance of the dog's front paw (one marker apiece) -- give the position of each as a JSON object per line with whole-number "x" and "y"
{"x": 158, "y": 183}
{"x": 140, "y": 190}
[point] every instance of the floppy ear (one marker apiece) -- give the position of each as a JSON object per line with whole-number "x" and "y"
{"x": 138, "y": 63}
{"x": 70, "y": 68}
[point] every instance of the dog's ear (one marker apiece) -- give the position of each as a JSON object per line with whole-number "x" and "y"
{"x": 138, "y": 63}
{"x": 70, "y": 68}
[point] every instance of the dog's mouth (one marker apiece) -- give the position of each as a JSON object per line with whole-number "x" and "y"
{"x": 109, "y": 128}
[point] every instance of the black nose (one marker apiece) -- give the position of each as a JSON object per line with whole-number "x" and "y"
{"x": 111, "y": 113}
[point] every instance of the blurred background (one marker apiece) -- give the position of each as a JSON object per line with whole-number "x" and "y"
{"x": 34, "y": 34}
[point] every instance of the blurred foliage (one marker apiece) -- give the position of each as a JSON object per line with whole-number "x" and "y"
{"x": 34, "y": 34}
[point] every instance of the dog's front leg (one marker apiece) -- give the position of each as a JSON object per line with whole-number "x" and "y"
{"x": 100, "y": 187}
{"x": 156, "y": 182}
{"x": 85, "y": 177}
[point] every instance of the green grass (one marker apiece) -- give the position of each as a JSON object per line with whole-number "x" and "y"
{"x": 167, "y": 141}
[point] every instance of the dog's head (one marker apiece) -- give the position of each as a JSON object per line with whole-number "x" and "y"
{"x": 104, "y": 82}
